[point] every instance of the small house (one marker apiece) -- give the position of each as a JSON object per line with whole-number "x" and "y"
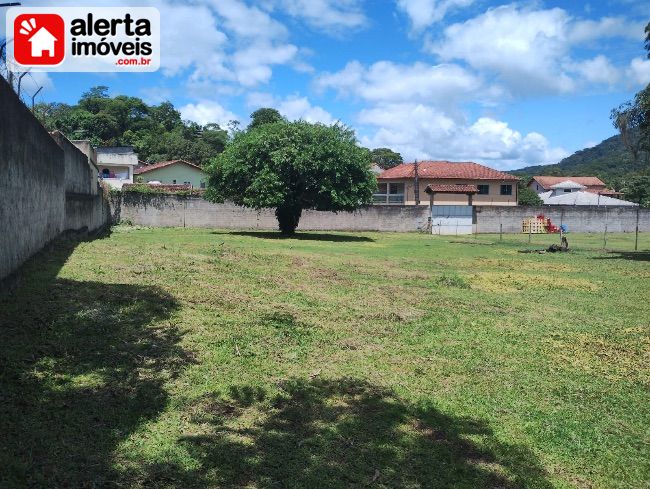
{"x": 174, "y": 172}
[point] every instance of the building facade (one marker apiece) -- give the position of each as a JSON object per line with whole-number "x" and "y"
{"x": 175, "y": 172}
{"x": 398, "y": 185}
{"x": 116, "y": 164}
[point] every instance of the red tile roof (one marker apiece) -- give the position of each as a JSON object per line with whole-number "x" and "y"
{"x": 546, "y": 182}
{"x": 445, "y": 169}
{"x": 162, "y": 164}
{"x": 452, "y": 189}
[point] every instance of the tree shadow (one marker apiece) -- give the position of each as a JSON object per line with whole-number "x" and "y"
{"x": 82, "y": 365}
{"x": 626, "y": 255}
{"x": 338, "y": 434}
{"x": 300, "y": 236}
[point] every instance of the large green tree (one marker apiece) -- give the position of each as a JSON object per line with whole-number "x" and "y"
{"x": 292, "y": 166}
{"x": 386, "y": 158}
{"x": 156, "y": 131}
{"x": 265, "y": 115}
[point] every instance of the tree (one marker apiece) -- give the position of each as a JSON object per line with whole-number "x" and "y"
{"x": 632, "y": 118}
{"x": 265, "y": 115}
{"x": 527, "y": 196}
{"x": 635, "y": 188}
{"x": 386, "y": 158}
{"x": 292, "y": 166}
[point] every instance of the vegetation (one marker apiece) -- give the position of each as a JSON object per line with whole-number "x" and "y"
{"x": 292, "y": 166}
{"x": 263, "y": 116}
{"x": 527, "y": 196}
{"x": 155, "y": 131}
{"x": 386, "y": 158}
{"x": 191, "y": 358}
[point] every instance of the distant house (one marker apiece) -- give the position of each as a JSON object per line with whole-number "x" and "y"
{"x": 570, "y": 192}
{"x": 445, "y": 183}
{"x": 116, "y": 164}
{"x": 541, "y": 184}
{"x": 174, "y": 172}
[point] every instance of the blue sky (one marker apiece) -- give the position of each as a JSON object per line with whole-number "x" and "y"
{"x": 505, "y": 84}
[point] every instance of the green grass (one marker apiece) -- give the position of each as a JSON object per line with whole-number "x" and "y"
{"x": 197, "y": 358}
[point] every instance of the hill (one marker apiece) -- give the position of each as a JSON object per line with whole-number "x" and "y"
{"x": 609, "y": 160}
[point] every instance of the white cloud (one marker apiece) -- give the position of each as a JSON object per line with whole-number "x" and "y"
{"x": 423, "y": 13}
{"x": 293, "y": 107}
{"x": 253, "y": 64}
{"x": 248, "y": 22}
{"x": 530, "y": 51}
{"x": 639, "y": 71}
{"x": 207, "y": 111}
{"x": 422, "y": 132}
{"x": 386, "y": 82}
{"x": 597, "y": 70}
{"x": 328, "y": 15}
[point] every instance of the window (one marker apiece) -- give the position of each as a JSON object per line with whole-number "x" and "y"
{"x": 174, "y": 182}
{"x": 106, "y": 173}
{"x": 483, "y": 189}
{"x": 389, "y": 193}
{"x": 566, "y": 190}
{"x": 202, "y": 184}
{"x": 187, "y": 183}
{"x": 506, "y": 189}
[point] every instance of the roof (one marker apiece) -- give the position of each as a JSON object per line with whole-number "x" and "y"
{"x": 546, "y": 181}
{"x": 451, "y": 189}
{"x": 446, "y": 169}
{"x": 582, "y": 198}
{"x": 567, "y": 184}
{"x": 163, "y": 164}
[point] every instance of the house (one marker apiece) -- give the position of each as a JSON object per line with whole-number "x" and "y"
{"x": 172, "y": 172}
{"x": 43, "y": 40}
{"x": 116, "y": 164}
{"x": 570, "y": 192}
{"x": 541, "y": 184}
{"x": 445, "y": 183}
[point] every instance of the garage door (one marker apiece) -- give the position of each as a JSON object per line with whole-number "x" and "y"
{"x": 451, "y": 219}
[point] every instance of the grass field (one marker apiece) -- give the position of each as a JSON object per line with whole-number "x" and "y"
{"x": 198, "y": 358}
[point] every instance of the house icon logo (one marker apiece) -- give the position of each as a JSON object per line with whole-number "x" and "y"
{"x": 39, "y": 39}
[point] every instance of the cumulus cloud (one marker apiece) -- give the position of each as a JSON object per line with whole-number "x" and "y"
{"x": 422, "y": 132}
{"x": 423, "y": 13}
{"x": 207, "y": 111}
{"x": 530, "y": 51}
{"x": 639, "y": 71}
{"x": 386, "y": 82}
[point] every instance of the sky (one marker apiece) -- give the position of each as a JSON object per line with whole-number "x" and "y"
{"x": 504, "y": 84}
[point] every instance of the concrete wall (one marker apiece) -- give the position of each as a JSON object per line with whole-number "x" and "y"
{"x": 46, "y": 187}
{"x": 158, "y": 210}
{"x": 175, "y": 211}
{"x": 587, "y": 219}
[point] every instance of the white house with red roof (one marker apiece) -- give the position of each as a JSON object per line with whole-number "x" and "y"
{"x": 595, "y": 185}
{"x": 116, "y": 164}
{"x": 173, "y": 172}
{"x": 445, "y": 183}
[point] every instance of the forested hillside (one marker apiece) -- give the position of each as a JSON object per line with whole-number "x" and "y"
{"x": 156, "y": 131}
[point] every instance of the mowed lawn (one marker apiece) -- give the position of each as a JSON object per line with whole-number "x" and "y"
{"x": 183, "y": 358}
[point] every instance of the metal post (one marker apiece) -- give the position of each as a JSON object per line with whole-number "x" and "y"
{"x": 500, "y": 232}
{"x": 34, "y": 96}
{"x": 605, "y": 237}
{"x": 530, "y": 229}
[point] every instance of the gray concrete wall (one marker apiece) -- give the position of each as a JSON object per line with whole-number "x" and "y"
{"x": 579, "y": 219}
{"x": 45, "y": 187}
{"x": 174, "y": 211}
{"x": 158, "y": 210}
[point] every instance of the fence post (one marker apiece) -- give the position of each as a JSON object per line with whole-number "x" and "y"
{"x": 501, "y": 231}
{"x": 636, "y": 237}
{"x": 530, "y": 229}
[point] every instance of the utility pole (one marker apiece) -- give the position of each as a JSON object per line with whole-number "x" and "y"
{"x": 417, "y": 183}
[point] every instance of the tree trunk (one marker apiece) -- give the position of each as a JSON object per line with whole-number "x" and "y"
{"x": 288, "y": 217}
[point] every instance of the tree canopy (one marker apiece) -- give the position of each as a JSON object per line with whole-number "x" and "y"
{"x": 386, "y": 158}
{"x": 157, "y": 132}
{"x": 292, "y": 166}
{"x": 265, "y": 115}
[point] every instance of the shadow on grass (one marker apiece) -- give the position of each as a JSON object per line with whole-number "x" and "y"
{"x": 301, "y": 236}
{"x": 338, "y": 434}
{"x": 82, "y": 365}
{"x": 626, "y": 255}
